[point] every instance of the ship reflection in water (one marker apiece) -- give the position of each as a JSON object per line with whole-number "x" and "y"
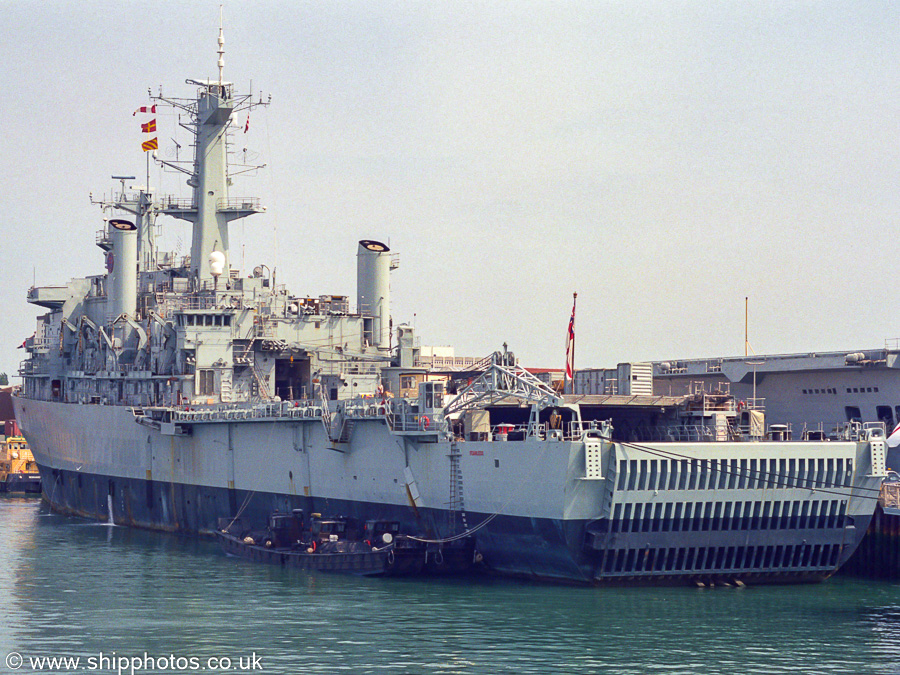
{"x": 76, "y": 588}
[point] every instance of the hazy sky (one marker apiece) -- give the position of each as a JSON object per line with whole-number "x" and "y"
{"x": 662, "y": 159}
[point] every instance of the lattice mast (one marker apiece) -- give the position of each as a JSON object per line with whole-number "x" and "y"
{"x": 210, "y": 211}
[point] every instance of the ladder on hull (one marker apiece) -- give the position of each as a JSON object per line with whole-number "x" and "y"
{"x": 457, "y": 503}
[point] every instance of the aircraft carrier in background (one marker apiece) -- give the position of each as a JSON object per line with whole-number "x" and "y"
{"x": 816, "y": 391}
{"x": 170, "y": 392}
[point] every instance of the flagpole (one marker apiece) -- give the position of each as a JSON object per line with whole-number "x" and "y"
{"x": 569, "y": 373}
{"x": 746, "y": 326}
{"x": 574, "y": 300}
{"x": 566, "y": 369}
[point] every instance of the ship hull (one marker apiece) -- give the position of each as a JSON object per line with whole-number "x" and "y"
{"x": 533, "y": 512}
{"x": 517, "y": 547}
{"x": 95, "y": 460}
{"x": 524, "y": 547}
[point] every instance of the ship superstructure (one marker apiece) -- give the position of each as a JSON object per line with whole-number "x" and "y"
{"x": 171, "y": 392}
{"x": 807, "y": 392}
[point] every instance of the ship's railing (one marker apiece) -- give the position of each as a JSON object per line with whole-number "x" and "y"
{"x": 366, "y": 406}
{"x": 42, "y": 341}
{"x": 712, "y": 404}
{"x": 224, "y": 412}
{"x": 412, "y": 423}
{"x": 171, "y": 259}
{"x": 234, "y": 300}
{"x": 753, "y": 404}
{"x": 403, "y": 416}
{"x": 573, "y": 431}
{"x": 695, "y": 433}
{"x": 326, "y": 409}
{"x": 779, "y": 432}
{"x": 360, "y": 367}
{"x": 363, "y": 408}
{"x": 263, "y": 326}
{"x": 518, "y": 432}
{"x": 841, "y": 431}
{"x": 122, "y": 368}
{"x": 856, "y": 431}
{"x": 339, "y": 366}
{"x": 454, "y": 363}
{"x": 186, "y": 302}
{"x": 33, "y": 367}
{"x": 171, "y": 202}
{"x": 244, "y": 204}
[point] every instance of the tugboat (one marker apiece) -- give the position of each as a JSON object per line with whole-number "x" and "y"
{"x": 18, "y": 470}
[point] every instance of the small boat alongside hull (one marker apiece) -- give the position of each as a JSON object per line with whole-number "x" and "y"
{"x": 338, "y": 544}
{"x": 360, "y": 562}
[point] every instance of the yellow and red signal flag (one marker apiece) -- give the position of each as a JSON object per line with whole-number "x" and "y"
{"x": 152, "y": 144}
{"x": 149, "y": 127}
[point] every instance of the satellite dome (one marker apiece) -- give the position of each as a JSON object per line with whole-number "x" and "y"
{"x": 216, "y": 263}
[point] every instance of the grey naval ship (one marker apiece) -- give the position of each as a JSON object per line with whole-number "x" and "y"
{"x": 170, "y": 392}
{"x": 809, "y": 392}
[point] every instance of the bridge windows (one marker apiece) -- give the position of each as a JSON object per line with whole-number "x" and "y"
{"x": 204, "y": 320}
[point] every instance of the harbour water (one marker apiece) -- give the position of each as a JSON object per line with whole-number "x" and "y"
{"x": 164, "y": 603}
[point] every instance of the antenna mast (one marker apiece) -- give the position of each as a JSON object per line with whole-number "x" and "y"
{"x": 221, "y": 47}
{"x": 746, "y": 326}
